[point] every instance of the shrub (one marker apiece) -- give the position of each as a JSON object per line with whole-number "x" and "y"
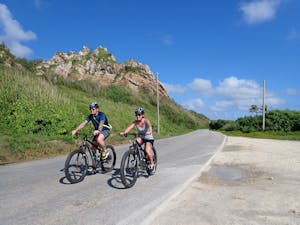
{"x": 217, "y": 124}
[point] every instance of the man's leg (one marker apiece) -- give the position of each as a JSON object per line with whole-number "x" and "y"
{"x": 101, "y": 142}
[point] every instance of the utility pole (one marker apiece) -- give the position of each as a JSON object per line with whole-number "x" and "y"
{"x": 157, "y": 103}
{"x": 263, "y": 105}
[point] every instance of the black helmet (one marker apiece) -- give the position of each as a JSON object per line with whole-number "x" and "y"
{"x": 94, "y": 105}
{"x": 139, "y": 111}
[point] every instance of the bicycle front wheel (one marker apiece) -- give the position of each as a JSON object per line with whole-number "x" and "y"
{"x": 76, "y": 166}
{"x": 129, "y": 169}
{"x": 108, "y": 164}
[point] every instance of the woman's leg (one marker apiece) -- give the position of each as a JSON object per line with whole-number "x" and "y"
{"x": 148, "y": 147}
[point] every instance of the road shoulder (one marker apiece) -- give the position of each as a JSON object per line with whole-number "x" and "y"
{"x": 251, "y": 181}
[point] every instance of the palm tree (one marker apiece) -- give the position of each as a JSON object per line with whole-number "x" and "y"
{"x": 254, "y": 109}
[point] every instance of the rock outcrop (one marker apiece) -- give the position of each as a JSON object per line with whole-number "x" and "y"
{"x": 101, "y": 66}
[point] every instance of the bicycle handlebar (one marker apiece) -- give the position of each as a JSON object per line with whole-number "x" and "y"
{"x": 130, "y": 134}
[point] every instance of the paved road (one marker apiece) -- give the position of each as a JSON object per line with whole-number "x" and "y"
{"x": 37, "y": 192}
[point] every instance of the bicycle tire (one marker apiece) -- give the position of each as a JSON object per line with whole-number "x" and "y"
{"x": 76, "y": 166}
{"x": 108, "y": 164}
{"x": 154, "y": 155}
{"x": 129, "y": 169}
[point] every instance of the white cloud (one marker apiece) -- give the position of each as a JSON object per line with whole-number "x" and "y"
{"x": 221, "y": 105}
{"x": 259, "y": 11}
{"x": 234, "y": 88}
{"x": 273, "y": 101}
{"x": 174, "y": 88}
{"x": 241, "y": 94}
{"x": 232, "y": 97}
{"x": 294, "y": 34}
{"x": 13, "y": 34}
{"x": 41, "y": 4}
{"x": 202, "y": 86}
{"x": 167, "y": 39}
{"x": 292, "y": 91}
{"x": 194, "y": 104}
{"x": 38, "y": 3}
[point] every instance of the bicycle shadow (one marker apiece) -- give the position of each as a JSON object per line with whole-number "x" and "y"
{"x": 64, "y": 180}
{"x": 116, "y": 182}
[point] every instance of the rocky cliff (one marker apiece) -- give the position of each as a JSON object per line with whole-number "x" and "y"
{"x": 101, "y": 66}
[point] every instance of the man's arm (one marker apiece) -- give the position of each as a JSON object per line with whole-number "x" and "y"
{"x": 82, "y": 125}
{"x": 100, "y": 125}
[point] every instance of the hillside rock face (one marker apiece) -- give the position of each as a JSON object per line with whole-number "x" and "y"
{"x": 7, "y": 59}
{"x": 100, "y": 66}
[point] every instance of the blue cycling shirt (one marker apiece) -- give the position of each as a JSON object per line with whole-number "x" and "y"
{"x": 100, "y": 117}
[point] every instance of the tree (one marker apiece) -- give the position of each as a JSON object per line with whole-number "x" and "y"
{"x": 254, "y": 109}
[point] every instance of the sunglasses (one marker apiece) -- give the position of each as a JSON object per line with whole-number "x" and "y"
{"x": 138, "y": 114}
{"x": 92, "y": 109}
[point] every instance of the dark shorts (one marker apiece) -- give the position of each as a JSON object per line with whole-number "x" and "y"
{"x": 151, "y": 141}
{"x": 105, "y": 133}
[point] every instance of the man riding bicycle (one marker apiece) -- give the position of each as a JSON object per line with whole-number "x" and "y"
{"x": 102, "y": 128}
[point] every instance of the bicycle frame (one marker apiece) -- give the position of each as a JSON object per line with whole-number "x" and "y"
{"x": 88, "y": 144}
{"x": 141, "y": 154}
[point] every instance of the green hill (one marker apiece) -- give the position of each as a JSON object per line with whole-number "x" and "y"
{"x": 38, "y": 113}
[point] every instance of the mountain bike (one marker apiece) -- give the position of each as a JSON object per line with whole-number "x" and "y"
{"x": 80, "y": 160}
{"x": 134, "y": 161}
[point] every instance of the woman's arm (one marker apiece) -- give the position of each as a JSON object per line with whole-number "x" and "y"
{"x": 148, "y": 123}
{"x": 128, "y": 128}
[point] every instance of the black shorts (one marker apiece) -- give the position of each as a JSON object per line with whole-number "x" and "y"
{"x": 151, "y": 141}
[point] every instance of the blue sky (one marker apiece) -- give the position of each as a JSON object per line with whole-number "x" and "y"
{"x": 211, "y": 55}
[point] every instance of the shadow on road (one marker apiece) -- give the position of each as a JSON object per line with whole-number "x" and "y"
{"x": 114, "y": 181}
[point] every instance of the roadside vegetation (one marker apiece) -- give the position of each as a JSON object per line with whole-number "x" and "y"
{"x": 38, "y": 113}
{"x": 279, "y": 124}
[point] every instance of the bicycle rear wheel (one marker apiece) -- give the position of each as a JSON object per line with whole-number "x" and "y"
{"x": 76, "y": 166}
{"x": 129, "y": 169}
{"x": 108, "y": 164}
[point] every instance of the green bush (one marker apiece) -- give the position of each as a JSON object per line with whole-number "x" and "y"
{"x": 217, "y": 124}
{"x": 38, "y": 109}
{"x": 283, "y": 120}
{"x": 249, "y": 123}
{"x": 229, "y": 126}
{"x": 117, "y": 94}
{"x": 275, "y": 120}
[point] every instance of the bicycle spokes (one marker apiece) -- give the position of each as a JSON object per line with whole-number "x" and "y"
{"x": 129, "y": 169}
{"x": 109, "y": 163}
{"x": 76, "y": 166}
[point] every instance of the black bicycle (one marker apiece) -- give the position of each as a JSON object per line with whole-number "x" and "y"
{"x": 83, "y": 159}
{"x": 135, "y": 160}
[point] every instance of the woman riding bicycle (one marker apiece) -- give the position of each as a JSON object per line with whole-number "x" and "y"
{"x": 145, "y": 136}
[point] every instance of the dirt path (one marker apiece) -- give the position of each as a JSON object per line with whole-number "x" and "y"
{"x": 251, "y": 181}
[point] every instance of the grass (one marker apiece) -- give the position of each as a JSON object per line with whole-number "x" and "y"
{"x": 37, "y": 114}
{"x": 295, "y": 136}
